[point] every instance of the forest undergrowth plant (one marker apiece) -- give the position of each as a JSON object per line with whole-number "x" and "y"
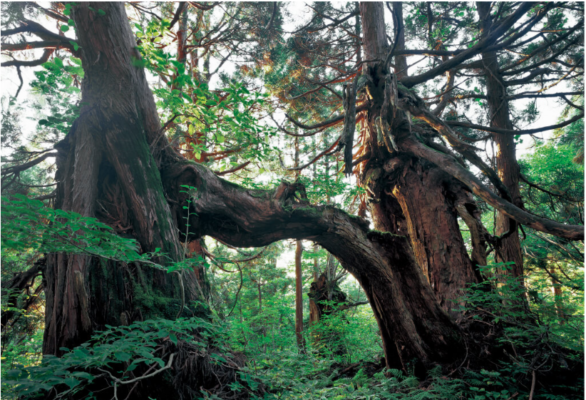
{"x": 193, "y": 349}
{"x": 123, "y": 356}
{"x": 500, "y": 315}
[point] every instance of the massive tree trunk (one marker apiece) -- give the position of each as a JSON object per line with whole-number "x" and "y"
{"x": 106, "y": 168}
{"x": 509, "y": 248}
{"x": 427, "y": 198}
{"x": 410, "y": 196}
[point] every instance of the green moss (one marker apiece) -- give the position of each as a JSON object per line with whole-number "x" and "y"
{"x": 309, "y": 210}
{"x": 381, "y": 234}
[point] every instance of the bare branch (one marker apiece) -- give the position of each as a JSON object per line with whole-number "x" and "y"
{"x": 40, "y": 31}
{"x": 16, "y": 63}
{"x": 229, "y": 171}
{"x": 180, "y": 9}
{"x": 327, "y": 123}
{"x": 19, "y": 168}
{"x": 320, "y": 155}
{"x": 516, "y": 132}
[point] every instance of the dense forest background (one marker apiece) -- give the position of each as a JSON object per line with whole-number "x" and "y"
{"x": 288, "y": 200}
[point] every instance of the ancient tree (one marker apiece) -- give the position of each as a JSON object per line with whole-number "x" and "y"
{"x": 117, "y": 164}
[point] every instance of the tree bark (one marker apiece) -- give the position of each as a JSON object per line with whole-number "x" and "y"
{"x": 107, "y": 167}
{"x": 299, "y": 297}
{"x": 400, "y": 60}
{"x": 426, "y": 196}
{"x": 423, "y": 207}
{"x": 509, "y": 249}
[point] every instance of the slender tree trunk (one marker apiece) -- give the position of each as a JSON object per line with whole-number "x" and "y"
{"x": 558, "y": 297}
{"x": 299, "y": 297}
{"x": 259, "y": 286}
{"x": 509, "y": 249}
{"x": 400, "y": 61}
{"x": 181, "y": 42}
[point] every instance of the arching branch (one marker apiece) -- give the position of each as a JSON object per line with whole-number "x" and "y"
{"x": 383, "y": 264}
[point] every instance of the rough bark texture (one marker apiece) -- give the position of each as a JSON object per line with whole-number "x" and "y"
{"x": 408, "y": 196}
{"x": 506, "y": 159}
{"x": 426, "y": 196}
{"x": 106, "y": 169}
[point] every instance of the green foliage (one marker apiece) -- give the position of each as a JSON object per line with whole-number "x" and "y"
{"x": 206, "y": 121}
{"x": 115, "y": 352}
{"x": 532, "y": 332}
{"x": 219, "y": 125}
{"x": 56, "y": 84}
{"x": 28, "y": 225}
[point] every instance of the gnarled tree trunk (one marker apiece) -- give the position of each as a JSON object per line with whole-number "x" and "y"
{"x": 106, "y": 168}
{"x": 410, "y": 196}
